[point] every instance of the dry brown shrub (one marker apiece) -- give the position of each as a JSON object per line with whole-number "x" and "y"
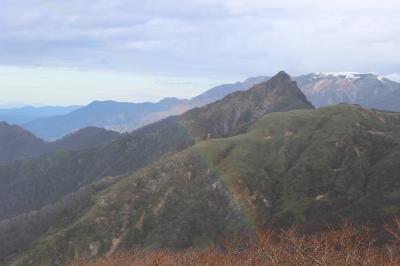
{"x": 346, "y": 246}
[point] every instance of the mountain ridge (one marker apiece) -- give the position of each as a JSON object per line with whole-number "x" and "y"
{"x": 21, "y": 115}
{"x": 368, "y": 90}
{"x": 38, "y": 183}
{"x": 252, "y": 158}
{"x": 330, "y": 88}
{"x": 166, "y": 107}
{"x": 17, "y": 143}
{"x": 306, "y": 166}
{"x": 131, "y": 151}
{"x": 112, "y": 115}
{"x": 241, "y": 108}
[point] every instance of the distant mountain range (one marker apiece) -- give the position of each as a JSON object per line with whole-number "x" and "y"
{"x": 322, "y": 89}
{"x": 23, "y": 115}
{"x": 16, "y": 143}
{"x": 248, "y": 160}
{"x": 367, "y": 90}
{"x": 325, "y": 89}
{"x": 209, "y": 96}
{"x": 125, "y": 117}
{"x": 117, "y": 116}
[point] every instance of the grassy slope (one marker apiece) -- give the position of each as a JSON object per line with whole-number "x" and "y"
{"x": 302, "y": 166}
{"x": 30, "y": 185}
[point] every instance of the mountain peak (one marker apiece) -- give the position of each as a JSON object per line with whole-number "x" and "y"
{"x": 348, "y": 76}
{"x": 238, "y": 110}
{"x": 170, "y": 100}
{"x": 281, "y": 76}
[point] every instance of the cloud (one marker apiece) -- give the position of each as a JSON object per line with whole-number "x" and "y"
{"x": 211, "y": 38}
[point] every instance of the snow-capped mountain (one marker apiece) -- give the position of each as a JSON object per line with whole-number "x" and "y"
{"x": 368, "y": 90}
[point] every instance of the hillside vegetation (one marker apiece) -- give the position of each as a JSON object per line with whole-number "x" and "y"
{"x": 16, "y": 143}
{"x": 33, "y": 184}
{"x": 38, "y": 185}
{"x": 308, "y": 167}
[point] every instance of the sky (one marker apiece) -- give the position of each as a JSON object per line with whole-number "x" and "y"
{"x": 73, "y": 52}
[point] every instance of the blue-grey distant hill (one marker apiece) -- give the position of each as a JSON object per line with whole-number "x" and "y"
{"x": 118, "y": 116}
{"x": 125, "y": 117}
{"x": 322, "y": 89}
{"x": 28, "y": 113}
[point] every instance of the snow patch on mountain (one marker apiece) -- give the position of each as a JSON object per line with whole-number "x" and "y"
{"x": 349, "y": 76}
{"x": 394, "y": 77}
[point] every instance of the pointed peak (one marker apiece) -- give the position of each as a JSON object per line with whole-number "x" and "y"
{"x": 169, "y": 100}
{"x": 281, "y": 76}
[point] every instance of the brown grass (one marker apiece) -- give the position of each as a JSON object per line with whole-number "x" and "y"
{"x": 346, "y": 246}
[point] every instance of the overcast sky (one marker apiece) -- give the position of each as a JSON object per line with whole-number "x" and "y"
{"x": 75, "y": 51}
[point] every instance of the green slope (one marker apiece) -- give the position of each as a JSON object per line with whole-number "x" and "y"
{"x": 305, "y": 166}
{"x": 30, "y": 185}
{"x": 33, "y": 184}
{"x": 39, "y": 185}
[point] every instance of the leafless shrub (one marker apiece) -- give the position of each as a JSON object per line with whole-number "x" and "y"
{"x": 346, "y": 246}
